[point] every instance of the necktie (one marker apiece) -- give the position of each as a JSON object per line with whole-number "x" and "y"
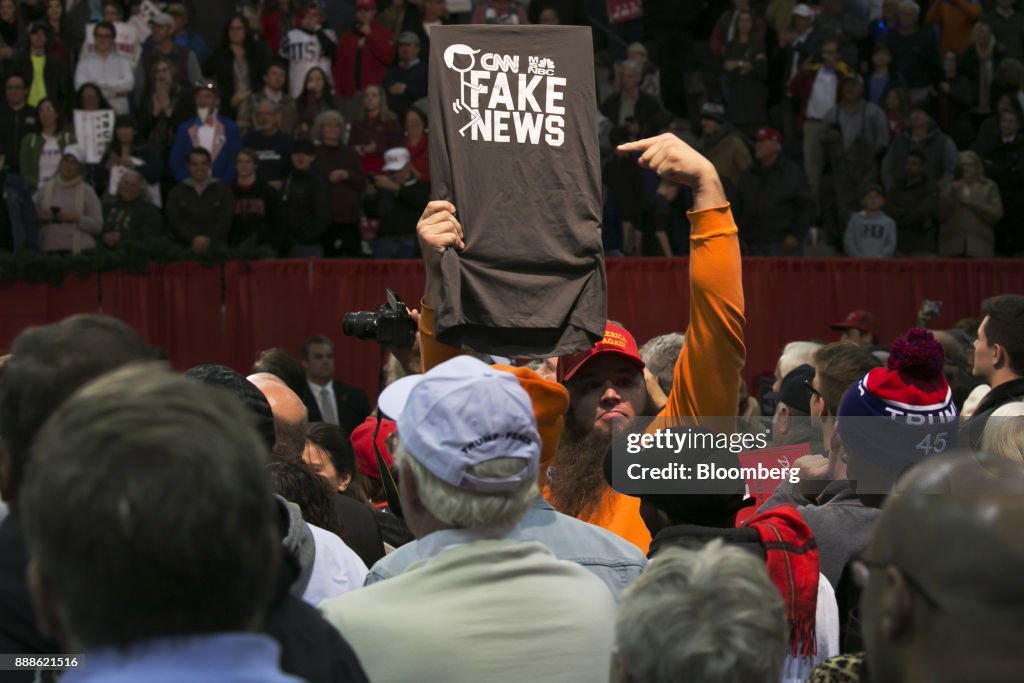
{"x": 327, "y": 409}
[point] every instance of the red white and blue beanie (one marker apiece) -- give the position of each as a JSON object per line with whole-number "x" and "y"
{"x": 910, "y": 402}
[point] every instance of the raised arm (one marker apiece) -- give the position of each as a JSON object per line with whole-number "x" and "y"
{"x": 707, "y": 371}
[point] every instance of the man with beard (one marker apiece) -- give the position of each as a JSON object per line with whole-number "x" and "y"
{"x": 606, "y": 384}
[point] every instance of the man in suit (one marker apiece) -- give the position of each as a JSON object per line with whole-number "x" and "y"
{"x": 329, "y": 400}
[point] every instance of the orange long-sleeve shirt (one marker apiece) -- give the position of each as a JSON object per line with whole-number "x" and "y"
{"x": 955, "y": 19}
{"x": 707, "y": 371}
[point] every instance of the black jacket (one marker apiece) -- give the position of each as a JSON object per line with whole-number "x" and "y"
{"x": 311, "y": 648}
{"x": 912, "y": 203}
{"x": 359, "y": 528}
{"x": 972, "y": 430}
{"x": 221, "y": 67}
{"x": 305, "y": 209}
{"x": 18, "y": 631}
{"x": 15, "y": 126}
{"x": 645, "y": 109}
{"x": 399, "y": 212}
{"x": 350, "y": 403}
{"x": 773, "y": 202}
{"x": 55, "y": 77}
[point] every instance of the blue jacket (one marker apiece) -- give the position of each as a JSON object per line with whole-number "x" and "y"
{"x": 21, "y": 211}
{"x": 615, "y": 561}
{"x": 227, "y": 141}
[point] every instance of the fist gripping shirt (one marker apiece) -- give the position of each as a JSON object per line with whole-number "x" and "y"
{"x": 513, "y": 144}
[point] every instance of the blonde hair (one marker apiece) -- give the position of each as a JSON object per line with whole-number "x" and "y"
{"x": 1004, "y": 432}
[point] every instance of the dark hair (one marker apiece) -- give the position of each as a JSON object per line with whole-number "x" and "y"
{"x": 248, "y": 42}
{"x": 14, "y": 74}
{"x": 242, "y": 389}
{"x": 200, "y": 152}
{"x": 248, "y": 152}
{"x": 48, "y": 364}
{"x": 295, "y": 481}
{"x": 315, "y": 339}
{"x": 165, "y": 525}
{"x": 420, "y": 113}
{"x": 327, "y": 96}
{"x": 837, "y": 366}
{"x": 278, "y": 62}
{"x": 918, "y": 154}
{"x": 105, "y": 24}
{"x": 104, "y": 104}
{"x": 1005, "y": 327}
{"x": 125, "y": 121}
{"x": 283, "y": 365}
{"x": 332, "y": 440}
{"x": 57, "y": 111}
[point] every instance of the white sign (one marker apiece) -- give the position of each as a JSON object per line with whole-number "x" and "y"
{"x": 93, "y": 130}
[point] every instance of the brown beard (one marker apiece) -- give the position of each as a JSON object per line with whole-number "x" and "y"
{"x": 578, "y": 481}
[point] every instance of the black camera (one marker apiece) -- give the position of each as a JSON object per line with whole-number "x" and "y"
{"x": 390, "y": 324}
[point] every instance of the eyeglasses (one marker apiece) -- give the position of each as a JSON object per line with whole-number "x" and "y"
{"x": 810, "y": 388}
{"x": 861, "y": 567}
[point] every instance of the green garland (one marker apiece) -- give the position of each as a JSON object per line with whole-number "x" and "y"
{"x": 40, "y": 267}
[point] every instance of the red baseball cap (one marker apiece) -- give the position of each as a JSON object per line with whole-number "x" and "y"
{"x": 366, "y": 4}
{"x": 616, "y": 340}
{"x": 766, "y": 133}
{"x": 362, "y": 444}
{"x": 856, "y": 320}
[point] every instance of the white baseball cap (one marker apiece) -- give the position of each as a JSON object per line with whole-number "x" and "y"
{"x": 396, "y": 158}
{"x": 461, "y": 414}
{"x": 74, "y": 151}
{"x": 803, "y": 10}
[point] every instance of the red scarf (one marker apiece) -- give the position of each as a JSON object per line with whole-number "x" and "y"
{"x": 792, "y": 562}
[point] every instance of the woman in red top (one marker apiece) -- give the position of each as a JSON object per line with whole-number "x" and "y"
{"x": 375, "y": 131}
{"x": 416, "y": 142}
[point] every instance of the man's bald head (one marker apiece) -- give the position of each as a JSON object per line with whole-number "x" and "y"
{"x": 945, "y": 567}
{"x": 290, "y": 418}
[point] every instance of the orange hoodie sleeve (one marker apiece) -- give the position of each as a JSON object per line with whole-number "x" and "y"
{"x": 433, "y": 352}
{"x": 707, "y": 373}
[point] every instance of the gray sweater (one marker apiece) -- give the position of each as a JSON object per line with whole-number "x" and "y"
{"x": 842, "y": 525}
{"x": 870, "y": 236}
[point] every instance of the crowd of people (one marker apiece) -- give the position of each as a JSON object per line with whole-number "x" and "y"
{"x": 865, "y": 128}
{"x": 212, "y": 526}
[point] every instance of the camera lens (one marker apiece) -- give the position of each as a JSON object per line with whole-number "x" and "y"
{"x": 361, "y": 325}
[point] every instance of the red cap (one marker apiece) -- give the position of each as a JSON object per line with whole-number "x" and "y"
{"x": 766, "y": 133}
{"x": 362, "y": 444}
{"x": 616, "y": 340}
{"x": 857, "y": 320}
{"x": 366, "y": 4}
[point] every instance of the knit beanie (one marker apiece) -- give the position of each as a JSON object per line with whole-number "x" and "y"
{"x": 910, "y": 405}
{"x": 550, "y": 402}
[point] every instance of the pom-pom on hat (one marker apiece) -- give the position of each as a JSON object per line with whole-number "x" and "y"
{"x": 910, "y": 400}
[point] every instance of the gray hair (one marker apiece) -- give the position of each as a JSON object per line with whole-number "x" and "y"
{"x": 630, "y": 64}
{"x": 322, "y": 119}
{"x": 709, "y": 615}
{"x": 795, "y": 354}
{"x": 132, "y": 173}
{"x": 910, "y": 5}
{"x": 659, "y": 355}
{"x": 274, "y": 106}
{"x": 497, "y": 512}
{"x": 149, "y": 462}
